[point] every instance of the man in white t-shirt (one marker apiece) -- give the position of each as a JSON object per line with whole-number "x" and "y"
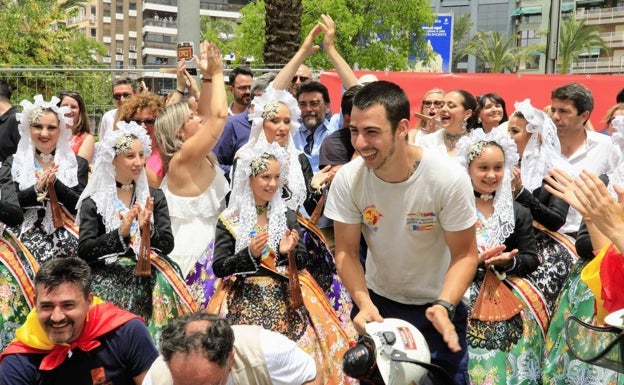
{"x": 203, "y": 348}
{"x": 417, "y": 212}
{"x": 122, "y": 91}
{"x": 571, "y": 106}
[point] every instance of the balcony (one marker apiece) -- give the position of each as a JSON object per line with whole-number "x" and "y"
{"x": 601, "y": 65}
{"x": 160, "y": 22}
{"x": 601, "y": 16}
{"x": 613, "y": 39}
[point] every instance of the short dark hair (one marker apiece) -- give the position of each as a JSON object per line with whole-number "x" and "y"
{"x": 121, "y": 80}
{"x": 314, "y": 86}
{"x": 496, "y": 98}
{"x": 239, "y": 71}
{"x": 215, "y": 343}
{"x": 5, "y": 90}
{"x": 346, "y": 104}
{"x": 392, "y": 97}
{"x": 580, "y": 96}
{"x": 60, "y": 270}
{"x": 619, "y": 98}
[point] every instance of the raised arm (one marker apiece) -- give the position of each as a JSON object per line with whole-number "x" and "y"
{"x": 282, "y": 80}
{"x": 344, "y": 70}
{"x": 212, "y": 106}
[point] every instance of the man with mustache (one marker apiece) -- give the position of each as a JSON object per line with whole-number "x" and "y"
{"x": 74, "y": 337}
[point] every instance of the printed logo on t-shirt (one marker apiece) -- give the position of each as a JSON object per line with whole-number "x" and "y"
{"x": 371, "y": 217}
{"x": 421, "y": 221}
{"x": 98, "y": 376}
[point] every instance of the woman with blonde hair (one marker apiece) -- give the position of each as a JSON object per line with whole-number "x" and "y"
{"x": 194, "y": 184}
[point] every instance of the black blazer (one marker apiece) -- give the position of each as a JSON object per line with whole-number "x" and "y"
{"x": 11, "y": 213}
{"x": 94, "y": 242}
{"x": 67, "y": 196}
{"x": 225, "y": 262}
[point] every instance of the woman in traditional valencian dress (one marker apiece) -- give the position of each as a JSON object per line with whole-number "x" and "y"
{"x": 504, "y": 338}
{"x": 254, "y": 238}
{"x": 125, "y": 232}
{"x": 46, "y": 170}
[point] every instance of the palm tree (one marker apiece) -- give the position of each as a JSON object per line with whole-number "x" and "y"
{"x": 575, "y": 39}
{"x": 283, "y": 30}
{"x": 461, "y": 36}
{"x": 496, "y": 52}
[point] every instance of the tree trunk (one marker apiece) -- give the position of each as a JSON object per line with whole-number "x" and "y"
{"x": 283, "y": 31}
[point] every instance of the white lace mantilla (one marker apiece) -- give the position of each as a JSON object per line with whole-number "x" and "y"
{"x": 502, "y": 221}
{"x": 23, "y": 168}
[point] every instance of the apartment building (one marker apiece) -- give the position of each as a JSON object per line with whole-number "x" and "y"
{"x": 142, "y": 35}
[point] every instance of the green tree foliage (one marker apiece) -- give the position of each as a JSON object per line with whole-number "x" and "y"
{"x": 219, "y": 30}
{"x": 575, "y": 39}
{"x": 497, "y": 53}
{"x": 35, "y": 35}
{"x": 249, "y": 37}
{"x": 373, "y": 34}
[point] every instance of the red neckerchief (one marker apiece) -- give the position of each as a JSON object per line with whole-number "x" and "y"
{"x": 101, "y": 319}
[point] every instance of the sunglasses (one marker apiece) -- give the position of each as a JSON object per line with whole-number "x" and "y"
{"x": 119, "y": 96}
{"x": 71, "y": 94}
{"x": 147, "y": 122}
{"x": 435, "y": 103}
{"x": 301, "y": 79}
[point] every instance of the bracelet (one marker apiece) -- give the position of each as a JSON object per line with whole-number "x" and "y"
{"x": 206, "y": 80}
{"x": 180, "y": 92}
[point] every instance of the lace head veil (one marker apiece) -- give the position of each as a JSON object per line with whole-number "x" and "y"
{"x": 242, "y": 208}
{"x": 502, "y": 222}
{"x": 101, "y": 187}
{"x": 23, "y": 169}
{"x": 616, "y": 177}
{"x": 263, "y": 108}
{"x": 543, "y": 150}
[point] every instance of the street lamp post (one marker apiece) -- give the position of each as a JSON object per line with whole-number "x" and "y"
{"x": 553, "y": 37}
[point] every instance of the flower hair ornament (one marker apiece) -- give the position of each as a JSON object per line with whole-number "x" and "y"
{"x": 265, "y": 107}
{"x": 502, "y": 222}
{"x": 23, "y": 169}
{"x": 242, "y": 207}
{"x": 543, "y": 150}
{"x": 616, "y": 176}
{"x": 102, "y": 188}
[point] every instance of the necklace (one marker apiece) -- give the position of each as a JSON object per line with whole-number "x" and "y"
{"x": 125, "y": 187}
{"x": 452, "y": 139}
{"x": 45, "y": 158}
{"x": 262, "y": 208}
{"x": 485, "y": 197}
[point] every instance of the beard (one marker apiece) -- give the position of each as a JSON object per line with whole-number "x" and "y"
{"x": 311, "y": 121}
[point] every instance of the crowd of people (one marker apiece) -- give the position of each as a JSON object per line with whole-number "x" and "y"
{"x": 253, "y": 242}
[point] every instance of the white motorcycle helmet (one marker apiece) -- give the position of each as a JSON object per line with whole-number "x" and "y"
{"x": 395, "y": 341}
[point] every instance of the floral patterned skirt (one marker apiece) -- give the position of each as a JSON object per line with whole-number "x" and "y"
{"x": 17, "y": 291}
{"x": 264, "y": 301}
{"x": 507, "y": 352}
{"x": 158, "y": 299}
{"x": 560, "y": 367}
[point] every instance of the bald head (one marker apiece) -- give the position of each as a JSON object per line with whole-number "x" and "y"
{"x": 302, "y": 75}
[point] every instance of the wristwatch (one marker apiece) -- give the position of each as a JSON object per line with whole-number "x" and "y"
{"x": 450, "y": 308}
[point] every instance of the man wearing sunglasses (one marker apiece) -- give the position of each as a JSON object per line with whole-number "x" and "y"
{"x": 303, "y": 75}
{"x": 241, "y": 80}
{"x": 122, "y": 91}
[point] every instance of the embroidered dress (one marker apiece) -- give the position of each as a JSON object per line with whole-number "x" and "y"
{"x": 559, "y": 365}
{"x": 38, "y": 232}
{"x": 157, "y": 298}
{"x": 505, "y": 352}
{"x": 17, "y": 290}
{"x": 262, "y": 298}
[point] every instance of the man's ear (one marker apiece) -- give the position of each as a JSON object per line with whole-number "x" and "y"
{"x": 90, "y": 299}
